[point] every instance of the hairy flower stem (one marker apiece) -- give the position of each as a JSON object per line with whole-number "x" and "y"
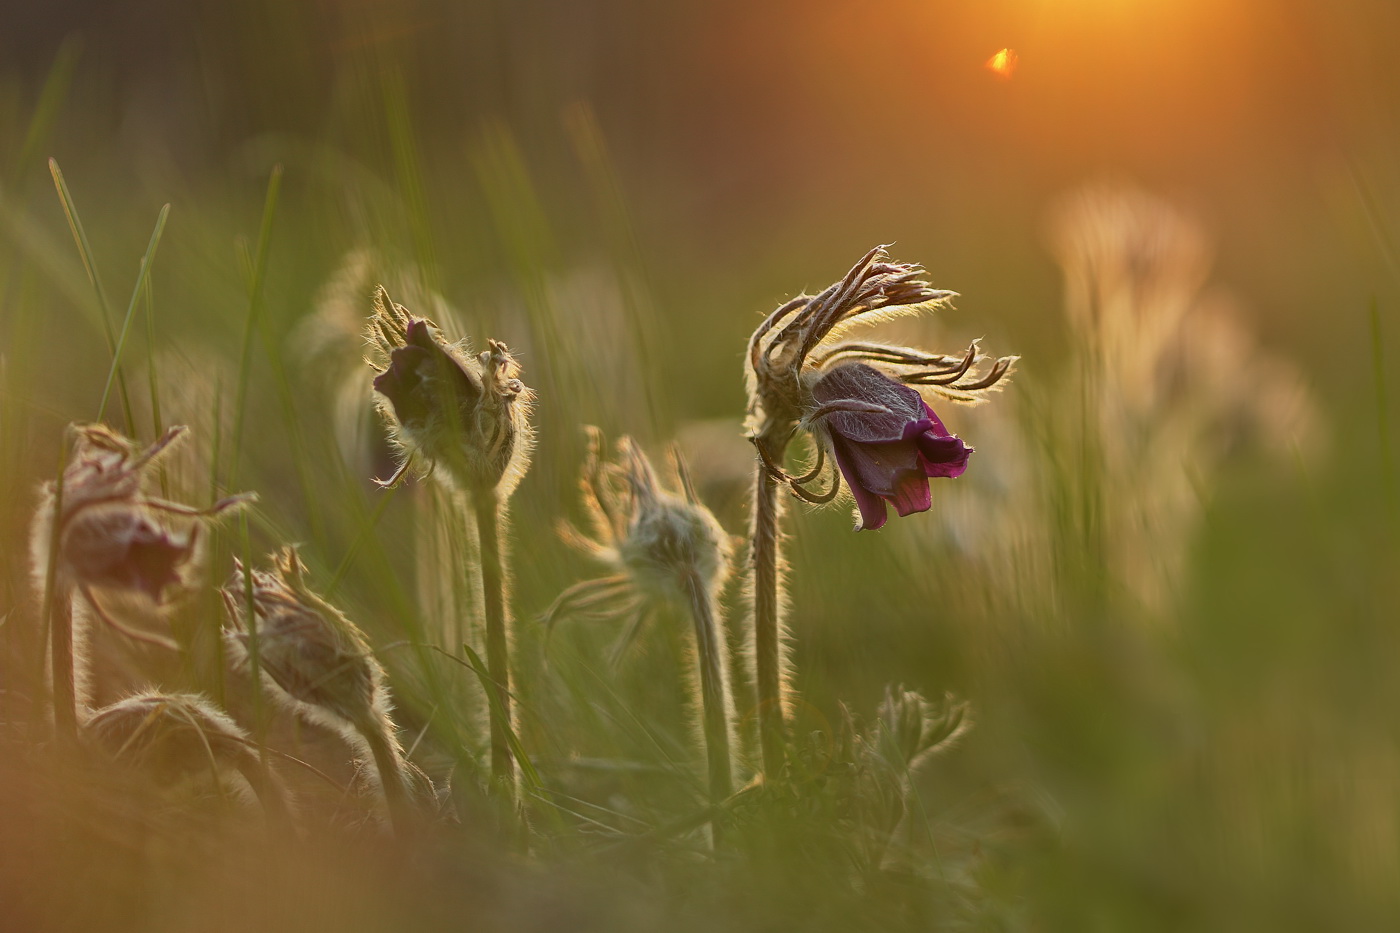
{"x": 271, "y": 795}
{"x": 767, "y": 635}
{"x": 388, "y": 761}
{"x": 488, "y": 507}
{"x": 58, "y": 614}
{"x": 709, "y": 646}
{"x": 65, "y": 693}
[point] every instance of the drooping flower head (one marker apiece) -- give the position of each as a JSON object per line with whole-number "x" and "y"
{"x": 179, "y": 737}
{"x": 854, "y": 397}
{"x": 466, "y": 415}
{"x": 887, "y": 453}
{"x": 310, "y": 652}
{"x": 319, "y": 665}
{"x": 111, "y": 535}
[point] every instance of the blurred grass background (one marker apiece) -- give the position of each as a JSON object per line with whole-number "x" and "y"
{"x": 619, "y": 190}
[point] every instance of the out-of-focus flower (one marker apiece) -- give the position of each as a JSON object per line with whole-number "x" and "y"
{"x": 655, "y": 541}
{"x": 888, "y": 452}
{"x": 110, "y": 535}
{"x": 306, "y": 647}
{"x": 466, "y": 415}
{"x": 666, "y": 548}
{"x": 799, "y": 348}
{"x": 177, "y": 737}
{"x": 319, "y": 665}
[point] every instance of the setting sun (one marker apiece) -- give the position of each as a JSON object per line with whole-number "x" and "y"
{"x": 1003, "y": 63}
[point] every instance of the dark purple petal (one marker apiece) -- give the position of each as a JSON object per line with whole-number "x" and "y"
{"x": 887, "y": 456}
{"x": 423, "y": 379}
{"x": 872, "y": 507}
{"x": 911, "y": 493}
{"x": 153, "y": 565}
{"x": 119, "y": 547}
{"x": 419, "y": 334}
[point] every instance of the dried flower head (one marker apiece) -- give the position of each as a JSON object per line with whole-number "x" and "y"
{"x": 318, "y": 665}
{"x": 178, "y": 736}
{"x": 109, "y": 534}
{"x": 317, "y": 660}
{"x": 657, "y": 542}
{"x": 465, "y": 415}
{"x": 848, "y": 393}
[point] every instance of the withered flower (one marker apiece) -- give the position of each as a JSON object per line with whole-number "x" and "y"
{"x": 178, "y": 736}
{"x": 95, "y": 530}
{"x": 656, "y": 542}
{"x": 466, "y": 415}
{"x": 110, "y": 534}
{"x": 316, "y": 663}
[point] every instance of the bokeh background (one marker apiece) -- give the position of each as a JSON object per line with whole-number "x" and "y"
{"x": 1171, "y": 598}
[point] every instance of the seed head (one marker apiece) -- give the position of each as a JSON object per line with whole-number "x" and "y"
{"x": 466, "y": 415}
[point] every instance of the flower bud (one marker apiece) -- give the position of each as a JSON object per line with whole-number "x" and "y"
{"x": 466, "y": 415}
{"x": 313, "y": 655}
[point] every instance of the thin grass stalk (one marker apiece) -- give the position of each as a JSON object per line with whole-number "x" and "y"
{"x": 65, "y": 690}
{"x": 488, "y": 508}
{"x": 141, "y": 279}
{"x": 769, "y": 663}
{"x": 1382, "y": 415}
{"x": 713, "y": 692}
{"x": 75, "y": 225}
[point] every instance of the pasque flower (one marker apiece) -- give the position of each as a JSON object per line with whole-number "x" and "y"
{"x": 663, "y": 547}
{"x": 884, "y": 438}
{"x": 855, "y": 400}
{"x": 316, "y": 663}
{"x": 468, "y": 418}
{"x": 888, "y": 452}
{"x": 110, "y": 535}
{"x": 466, "y": 415}
{"x": 95, "y": 530}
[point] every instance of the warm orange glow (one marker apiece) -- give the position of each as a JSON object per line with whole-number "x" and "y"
{"x": 1003, "y": 63}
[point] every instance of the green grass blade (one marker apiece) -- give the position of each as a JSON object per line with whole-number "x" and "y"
{"x": 527, "y": 769}
{"x": 142, "y": 277}
{"x": 80, "y": 237}
{"x": 409, "y": 173}
{"x": 152, "y": 373}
